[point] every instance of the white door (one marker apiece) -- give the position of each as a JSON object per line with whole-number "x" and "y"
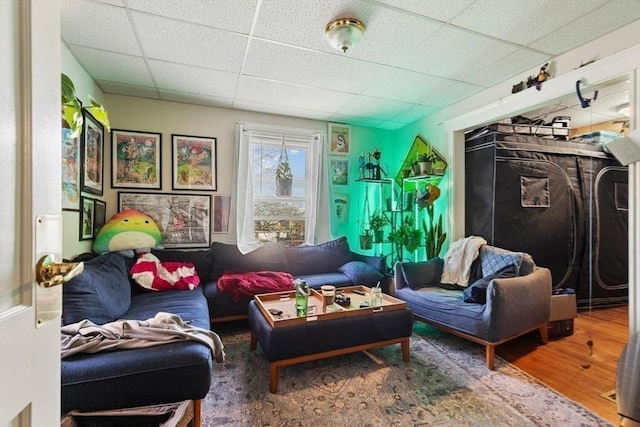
{"x": 30, "y": 178}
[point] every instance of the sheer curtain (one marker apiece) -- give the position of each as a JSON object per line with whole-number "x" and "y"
{"x": 318, "y": 225}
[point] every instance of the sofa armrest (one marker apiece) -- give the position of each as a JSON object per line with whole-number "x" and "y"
{"x": 517, "y": 304}
{"x": 398, "y": 281}
{"x": 377, "y": 262}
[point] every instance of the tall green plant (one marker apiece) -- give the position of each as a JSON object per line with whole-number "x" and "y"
{"x": 434, "y": 237}
{"x": 72, "y": 108}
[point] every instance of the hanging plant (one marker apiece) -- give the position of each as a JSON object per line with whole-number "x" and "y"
{"x": 284, "y": 175}
{"x": 72, "y": 108}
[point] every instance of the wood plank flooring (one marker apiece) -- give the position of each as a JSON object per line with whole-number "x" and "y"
{"x": 567, "y": 365}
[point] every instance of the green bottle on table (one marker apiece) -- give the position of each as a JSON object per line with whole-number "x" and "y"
{"x": 302, "y": 297}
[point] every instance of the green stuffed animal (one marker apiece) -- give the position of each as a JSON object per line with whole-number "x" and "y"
{"x": 127, "y": 230}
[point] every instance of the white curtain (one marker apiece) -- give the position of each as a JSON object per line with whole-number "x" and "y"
{"x": 318, "y": 228}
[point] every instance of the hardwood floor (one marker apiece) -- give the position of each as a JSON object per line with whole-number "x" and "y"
{"x": 567, "y": 365}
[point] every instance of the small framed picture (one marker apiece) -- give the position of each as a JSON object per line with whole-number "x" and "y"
{"x": 194, "y": 163}
{"x": 339, "y": 138}
{"x": 221, "y": 210}
{"x": 70, "y": 170}
{"x": 92, "y": 155}
{"x": 341, "y": 207}
{"x": 87, "y": 215}
{"x": 339, "y": 171}
{"x": 135, "y": 159}
{"x": 99, "y": 216}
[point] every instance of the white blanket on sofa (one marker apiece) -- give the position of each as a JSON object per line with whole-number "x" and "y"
{"x": 458, "y": 260}
{"x": 87, "y": 337}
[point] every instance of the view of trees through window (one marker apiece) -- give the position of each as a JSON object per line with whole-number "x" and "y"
{"x": 280, "y": 199}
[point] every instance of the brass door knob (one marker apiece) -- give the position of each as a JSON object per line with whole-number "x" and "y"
{"x": 50, "y": 273}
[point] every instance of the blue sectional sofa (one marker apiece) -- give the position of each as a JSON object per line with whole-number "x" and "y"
{"x": 179, "y": 371}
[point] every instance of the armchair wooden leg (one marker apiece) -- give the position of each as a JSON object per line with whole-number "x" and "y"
{"x": 490, "y": 353}
{"x": 544, "y": 334}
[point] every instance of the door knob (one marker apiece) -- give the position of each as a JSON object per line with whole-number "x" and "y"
{"x": 50, "y": 273}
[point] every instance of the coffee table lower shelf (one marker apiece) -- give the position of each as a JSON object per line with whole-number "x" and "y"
{"x": 313, "y": 340}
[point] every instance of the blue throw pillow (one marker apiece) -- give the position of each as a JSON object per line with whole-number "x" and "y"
{"x": 101, "y": 293}
{"x": 423, "y": 274}
{"x": 361, "y": 273}
{"x": 322, "y": 258}
{"x": 494, "y": 259}
{"x": 477, "y": 292}
{"x": 225, "y": 257}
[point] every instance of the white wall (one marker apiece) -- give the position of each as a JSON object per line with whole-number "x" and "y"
{"x": 85, "y": 86}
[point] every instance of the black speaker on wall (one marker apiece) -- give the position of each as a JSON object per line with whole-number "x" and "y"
{"x": 627, "y": 149}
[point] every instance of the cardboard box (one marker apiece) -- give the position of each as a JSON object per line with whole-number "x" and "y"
{"x": 560, "y": 328}
{"x": 563, "y": 307}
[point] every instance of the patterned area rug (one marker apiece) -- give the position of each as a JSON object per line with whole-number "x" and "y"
{"x": 446, "y": 383}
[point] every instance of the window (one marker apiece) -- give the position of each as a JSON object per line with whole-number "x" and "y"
{"x": 268, "y": 209}
{"x": 280, "y": 204}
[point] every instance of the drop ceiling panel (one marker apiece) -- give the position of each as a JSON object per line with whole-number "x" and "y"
{"x": 453, "y": 93}
{"x": 407, "y": 86}
{"x": 414, "y": 113}
{"x": 190, "y": 98}
{"x": 189, "y": 44}
{"x": 236, "y": 15}
{"x": 513, "y": 64}
{"x": 453, "y": 52}
{"x": 113, "y": 67}
{"x": 354, "y": 120}
{"x": 288, "y": 95}
{"x": 615, "y": 14}
{"x": 98, "y": 25}
{"x": 440, "y": 10}
{"x": 184, "y": 78}
{"x": 129, "y": 90}
{"x": 377, "y": 108}
{"x": 522, "y": 22}
{"x": 293, "y": 65}
{"x": 277, "y": 109}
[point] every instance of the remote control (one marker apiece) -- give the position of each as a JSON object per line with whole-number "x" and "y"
{"x": 358, "y": 291}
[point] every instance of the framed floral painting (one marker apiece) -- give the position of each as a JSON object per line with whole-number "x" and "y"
{"x": 70, "y": 170}
{"x": 194, "y": 163}
{"x": 92, "y": 155}
{"x": 135, "y": 159}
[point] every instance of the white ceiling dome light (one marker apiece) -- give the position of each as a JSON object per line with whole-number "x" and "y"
{"x": 344, "y": 33}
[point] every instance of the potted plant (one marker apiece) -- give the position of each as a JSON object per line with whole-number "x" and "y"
{"x": 366, "y": 241}
{"x": 72, "y": 108}
{"x": 377, "y": 222}
{"x": 434, "y": 237}
{"x": 406, "y": 236}
{"x": 425, "y": 161}
{"x": 284, "y": 180}
{"x": 284, "y": 175}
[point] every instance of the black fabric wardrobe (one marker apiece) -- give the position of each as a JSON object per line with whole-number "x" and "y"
{"x": 565, "y": 203}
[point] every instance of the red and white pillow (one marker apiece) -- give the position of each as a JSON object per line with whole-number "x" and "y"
{"x": 150, "y": 273}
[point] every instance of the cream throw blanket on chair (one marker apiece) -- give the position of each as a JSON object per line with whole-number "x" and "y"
{"x": 458, "y": 260}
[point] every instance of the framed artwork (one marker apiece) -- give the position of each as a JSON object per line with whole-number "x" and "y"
{"x": 341, "y": 207}
{"x": 92, "y": 155}
{"x": 339, "y": 138}
{"x": 221, "y": 211}
{"x": 87, "y": 215}
{"x": 99, "y": 216}
{"x": 194, "y": 163}
{"x": 339, "y": 171}
{"x": 184, "y": 220}
{"x": 135, "y": 159}
{"x": 70, "y": 171}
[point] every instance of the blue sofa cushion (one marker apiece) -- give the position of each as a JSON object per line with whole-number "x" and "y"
{"x": 101, "y": 293}
{"x": 494, "y": 259}
{"x": 477, "y": 292}
{"x": 225, "y": 257}
{"x": 423, "y": 274}
{"x": 361, "y": 273}
{"x": 322, "y": 258}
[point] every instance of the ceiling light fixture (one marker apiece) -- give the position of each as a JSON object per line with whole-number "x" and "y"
{"x": 623, "y": 109}
{"x": 344, "y": 33}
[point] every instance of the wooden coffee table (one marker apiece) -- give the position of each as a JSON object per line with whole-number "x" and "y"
{"x": 287, "y": 340}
